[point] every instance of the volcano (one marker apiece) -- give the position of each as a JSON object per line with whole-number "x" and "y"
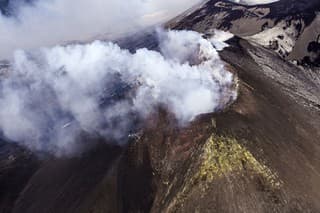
{"x": 261, "y": 153}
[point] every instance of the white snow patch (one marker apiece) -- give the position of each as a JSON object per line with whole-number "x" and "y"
{"x": 282, "y": 34}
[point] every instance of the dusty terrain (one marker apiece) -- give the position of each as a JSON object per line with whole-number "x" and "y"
{"x": 261, "y": 154}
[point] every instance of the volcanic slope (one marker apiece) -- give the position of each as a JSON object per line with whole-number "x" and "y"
{"x": 261, "y": 154}
{"x": 289, "y": 27}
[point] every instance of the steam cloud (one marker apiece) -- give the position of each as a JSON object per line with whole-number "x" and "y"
{"x": 52, "y": 95}
{"x": 254, "y": 2}
{"x": 51, "y": 22}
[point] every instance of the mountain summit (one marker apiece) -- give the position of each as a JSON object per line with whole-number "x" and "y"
{"x": 258, "y": 151}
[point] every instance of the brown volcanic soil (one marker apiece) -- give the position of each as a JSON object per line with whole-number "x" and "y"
{"x": 73, "y": 185}
{"x": 16, "y": 166}
{"x": 259, "y": 155}
{"x": 264, "y": 155}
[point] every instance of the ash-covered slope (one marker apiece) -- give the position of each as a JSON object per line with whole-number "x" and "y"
{"x": 259, "y": 155}
{"x": 290, "y": 27}
{"x": 16, "y": 167}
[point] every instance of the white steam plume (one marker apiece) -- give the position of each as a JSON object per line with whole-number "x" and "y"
{"x": 52, "y": 95}
{"x": 52, "y": 22}
{"x": 254, "y": 2}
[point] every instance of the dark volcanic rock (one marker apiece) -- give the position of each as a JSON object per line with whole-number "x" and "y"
{"x": 226, "y": 15}
{"x": 17, "y": 165}
{"x": 286, "y": 26}
{"x": 81, "y": 184}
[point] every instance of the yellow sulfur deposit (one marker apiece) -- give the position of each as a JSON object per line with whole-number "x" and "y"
{"x": 223, "y": 156}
